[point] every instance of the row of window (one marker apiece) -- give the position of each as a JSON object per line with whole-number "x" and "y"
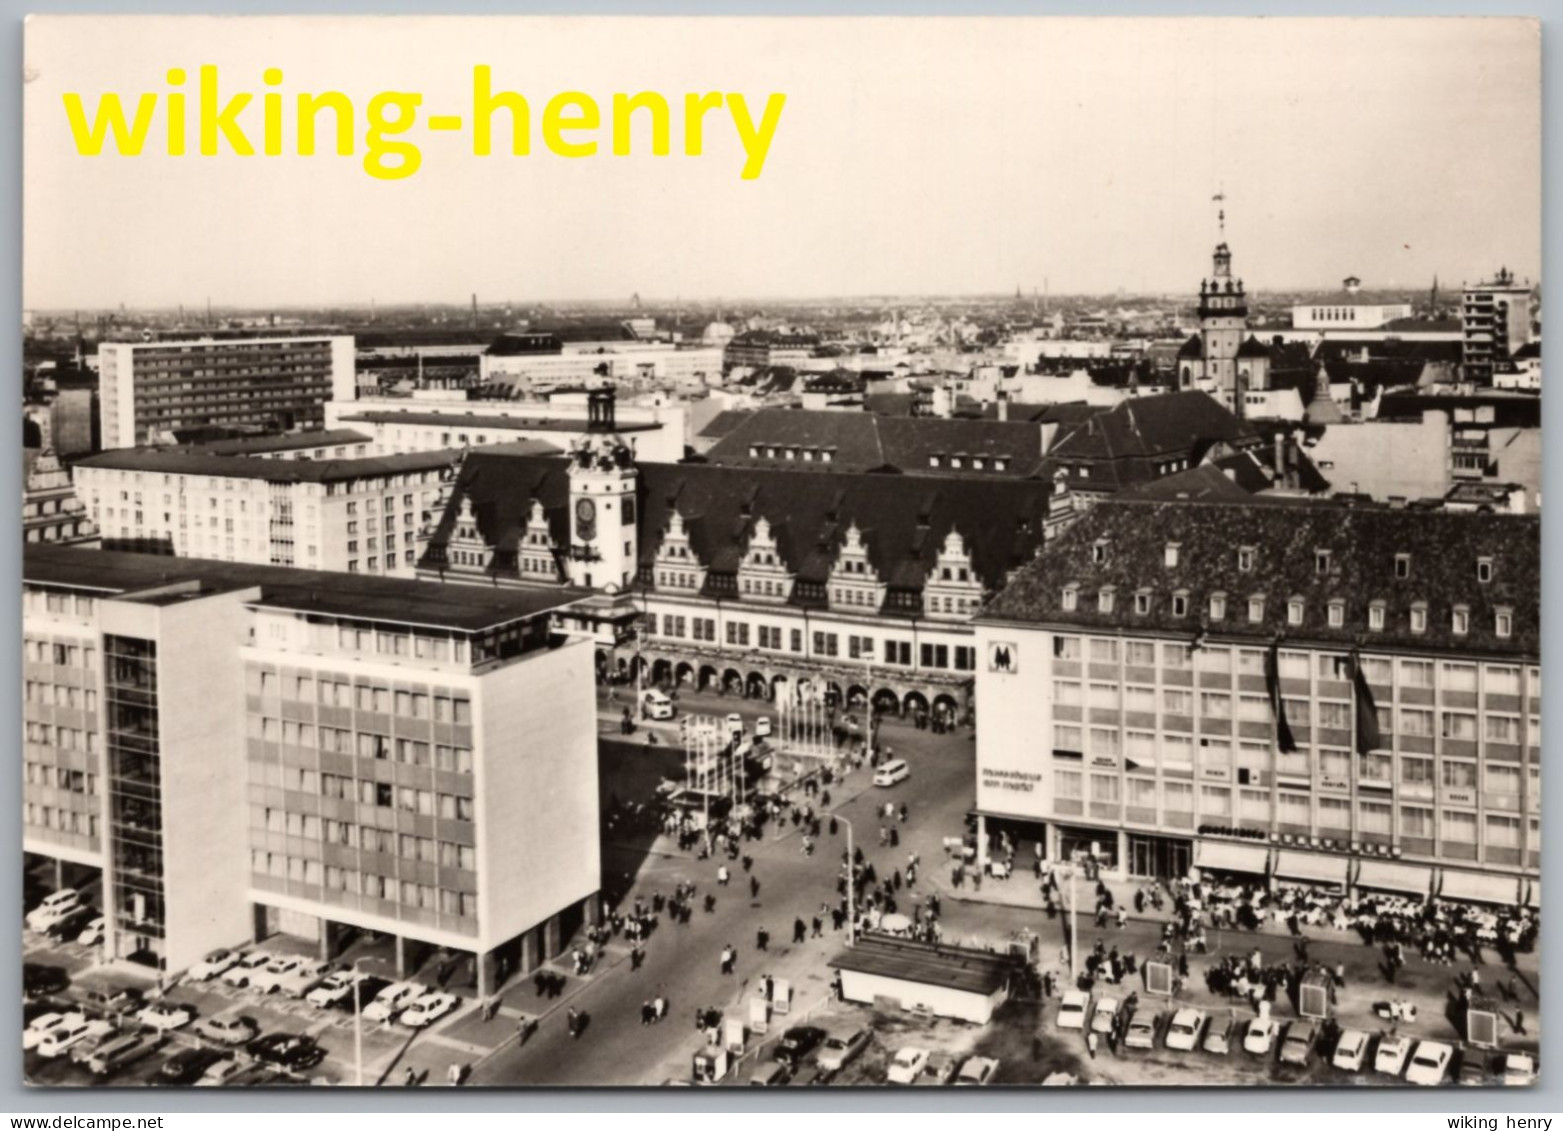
{"x": 385, "y": 795}
{"x": 374, "y": 698}
{"x": 332, "y": 878}
{"x": 446, "y": 854}
{"x": 1451, "y": 825}
{"x": 59, "y": 695}
{"x": 61, "y": 820}
{"x": 1145, "y": 749}
{"x": 453, "y": 759}
{"x": 828, "y": 644}
{"x": 1451, "y": 675}
{"x": 62, "y": 738}
{"x": 58, "y": 777}
{"x": 60, "y": 655}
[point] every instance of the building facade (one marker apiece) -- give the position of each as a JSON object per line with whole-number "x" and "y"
{"x": 352, "y": 515}
{"x": 150, "y": 390}
{"x": 243, "y": 750}
{"x": 1345, "y": 696}
{"x": 1495, "y": 322}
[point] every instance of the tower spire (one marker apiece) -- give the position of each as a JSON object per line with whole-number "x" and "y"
{"x": 1221, "y": 212}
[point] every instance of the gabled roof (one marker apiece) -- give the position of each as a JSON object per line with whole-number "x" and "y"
{"x": 903, "y": 519}
{"x": 1124, "y": 444}
{"x": 1252, "y": 347}
{"x": 724, "y": 422}
{"x": 1192, "y": 350}
{"x": 1363, "y": 542}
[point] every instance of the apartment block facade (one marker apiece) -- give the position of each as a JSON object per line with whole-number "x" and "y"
{"x": 149, "y": 391}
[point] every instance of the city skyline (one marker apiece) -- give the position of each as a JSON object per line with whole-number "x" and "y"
{"x": 1106, "y": 183}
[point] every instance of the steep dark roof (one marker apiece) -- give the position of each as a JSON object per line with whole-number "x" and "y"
{"x": 867, "y": 441}
{"x": 1252, "y": 347}
{"x": 1510, "y": 410}
{"x": 1206, "y": 482}
{"x": 724, "y": 422}
{"x": 1444, "y": 548}
{"x": 903, "y": 519}
{"x": 1192, "y": 350}
{"x": 1125, "y": 444}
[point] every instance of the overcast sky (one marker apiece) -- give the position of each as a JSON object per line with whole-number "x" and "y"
{"x": 913, "y": 156}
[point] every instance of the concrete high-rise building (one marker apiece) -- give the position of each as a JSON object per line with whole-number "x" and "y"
{"x": 1495, "y": 319}
{"x": 246, "y": 750}
{"x": 149, "y": 391}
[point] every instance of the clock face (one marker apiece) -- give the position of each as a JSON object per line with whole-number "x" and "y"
{"x": 586, "y": 510}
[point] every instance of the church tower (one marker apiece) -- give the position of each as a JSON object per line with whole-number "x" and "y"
{"x": 603, "y": 544}
{"x": 1223, "y": 317}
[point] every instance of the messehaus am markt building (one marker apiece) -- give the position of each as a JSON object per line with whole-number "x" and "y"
{"x": 946, "y": 981}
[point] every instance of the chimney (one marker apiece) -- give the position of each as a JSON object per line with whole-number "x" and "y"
{"x": 1003, "y": 407}
{"x": 1280, "y": 455}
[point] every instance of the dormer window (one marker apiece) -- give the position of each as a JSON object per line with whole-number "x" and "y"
{"x": 1104, "y": 600}
{"x": 1000, "y": 463}
{"x": 754, "y": 451}
{"x": 1180, "y": 604}
{"x": 1503, "y": 623}
{"x": 1337, "y": 614}
{"x": 1321, "y": 562}
{"x": 1484, "y": 570}
{"x": 978, "y": 463}
{"x": 1461, "y": 621}
{"x": 933, "y": 461}
{"x": 1294, "y": 611}
{"x": 1245, "y": 559}
{"x": 1218, "y": 606}
{"x": 1419, "y": 617}
{"x": 1071, "y": 598}
{"x": 1142, "y": 602}
{"x": 1099, "y": 551}
{"x": 1402, "y": 566}
{"x": 1169, "y": 555}
{"x": 826, "y": 456}
{"x": 1376, "y": 616}
{"x": 1256, "y": 609}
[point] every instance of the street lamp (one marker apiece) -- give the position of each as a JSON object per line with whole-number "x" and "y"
{"x": 358, "y": 1018}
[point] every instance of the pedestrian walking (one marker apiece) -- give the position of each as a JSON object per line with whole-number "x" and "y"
{"x": 754, "y": 887}
{"x": 456, "y": 1074}
{"x": 1090, "y": 1043}
{"x": 721, "y": 875}
{"x": 819, "y": 928}
{"x": 1519, "y": 1022}
{"x": 762, "y": 939}
{"x": 800, "y": 931}
{"x": 729, "y": 956}
{"x": 410, "y": 1080}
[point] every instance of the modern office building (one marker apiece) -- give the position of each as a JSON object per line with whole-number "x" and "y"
{"x": 246, "y": 750}
{"x": 150, "y": 391}
{"x": 1307, "y": 692}
{"x": 1495, "y": 319}
{"x": 354, "y": 515}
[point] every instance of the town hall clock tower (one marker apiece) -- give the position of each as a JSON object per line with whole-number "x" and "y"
{"x": 603, "y": 544}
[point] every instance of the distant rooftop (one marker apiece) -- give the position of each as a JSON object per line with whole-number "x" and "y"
{"x": 197, "y": 461}
{"x": 287, "y": 442}
{"x": 494, "y": 420}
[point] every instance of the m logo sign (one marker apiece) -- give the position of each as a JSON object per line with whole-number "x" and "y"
{"x": 1003, "y": 657}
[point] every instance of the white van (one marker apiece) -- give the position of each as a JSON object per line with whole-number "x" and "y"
{"x": 53, "y": 909}
{"x": 892, "y": 772}
{"x": 656, "y": 705}
{"x": 762, "y": 727}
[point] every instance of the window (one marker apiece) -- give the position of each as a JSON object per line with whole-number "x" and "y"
{"x": 1177, "y": 656}
{"x": 1502, "y": 832}
{"x": 1256, "y": 610}
{"x": 1215, "y": 801}
{"x": 1503, "y": 623}
{"x": 1461, "y": 622}
{"x": 1105, "y": 696}
{"x": 1104, "y": 601}
{"x": 1071, "y": 597}
{"x": 1416, "y": 771}
{"x": 1294, "y": 612}
{"x": 1104, "y": 743}
{"x": 1066, "y": 784}
{"x": 1104, "y": 789}
{"x": 1245, "y": 559}
{"x": 1140, "y": 654}
{"x": 1337, "y": 614}
{"x": 1458, "y": 775}
{"x": 1066, "y": 647}
{"x": 1142, "y": 699}
{"x": 1177, "y": 797}
{"x": 1175, "y": 702}
{"x": 1336, "y": 716}
{"x": 1459, "y": 677}
{"x": 1499, "y": 777}
{"x": 1459, "y": 827}
{"x": 1142, "y": 602}
{"x": 1170, "y": 555}
{"x": 1104, "y": 651}
{"x": 1334, "y": 813}
{"x": 1483, "y": 570}
{"x": 1066, "y": 693}
{"x": 1180, "y": 604}
{"x": 1402, "y": 566}
{"x": 1321, "y": 561}
{"x": 1215, "y": 706}
{"x": 1099, "y": 551}
{"x": 1376, "y": 616}
{"x": 1374, "y": 817}
{"x": 1418, "y": 724}
{"x": 1416, "y": 673}
{"x": 1067, "y": 739}
{"x": 1218, "y": 606}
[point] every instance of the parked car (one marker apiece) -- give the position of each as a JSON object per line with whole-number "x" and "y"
{"x": 1429, "y": 1063}
{"x": 429, "y": 1008}
{"x": 220, "y": 1072}
{"x": 40, "y": 1027}
{"x": 1297, "y": 1048}
{"x": 1183, "y": 1032}
{"x": 337, "y": 989}
{"x": 1105, "y": 1015}
{"x": 735, "y": 724}
{"x": 1218, "y": 1038}
{"x": 187, "y": 1066}
{"x": 1072, "y": 1009}
{"x": 165, "y": 1016}
{"x": 796, "y": 1044}
{"x": 1140, "y": 1033}
{"x": 303, "y": 978}
{"x": 762, "y": 727}
{"x": 892, "y": 773}
{"x": 939, "y": 1070}
{"x": 269, "y": 978}
{"x": 977, "y": 1070}
{"x": 296, "y": 1051}
{"x": 99, "y": 1030}
{"x": 1391, "y": 1056}
{"x": 228, "y": 1030}
{"x": 114, "y": 999}
{"x": 1519, "y": 1069}
{"x": 112, "y": 1055}
{"x": 42, "y": 978}
{"x": 841, "y": 1046}
{"x": 656, "y": 705}
{"x": 239, "y": 974}
{"x": 93, "y": 933}
{"x": 906, "y": 1065}
{"x": 392, "y": 1000}
{"x": 1350, "y": 1051}
{"x": 61, "y": 1038}
{"x": 771, "y": 1074}
{"x": 71, "y": 923}
{"x": 1475, "y": 1068}
{"x": 53, "y": 907}
{"x": 214, "y": 964}
{"x": 1260, "y": 1036}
